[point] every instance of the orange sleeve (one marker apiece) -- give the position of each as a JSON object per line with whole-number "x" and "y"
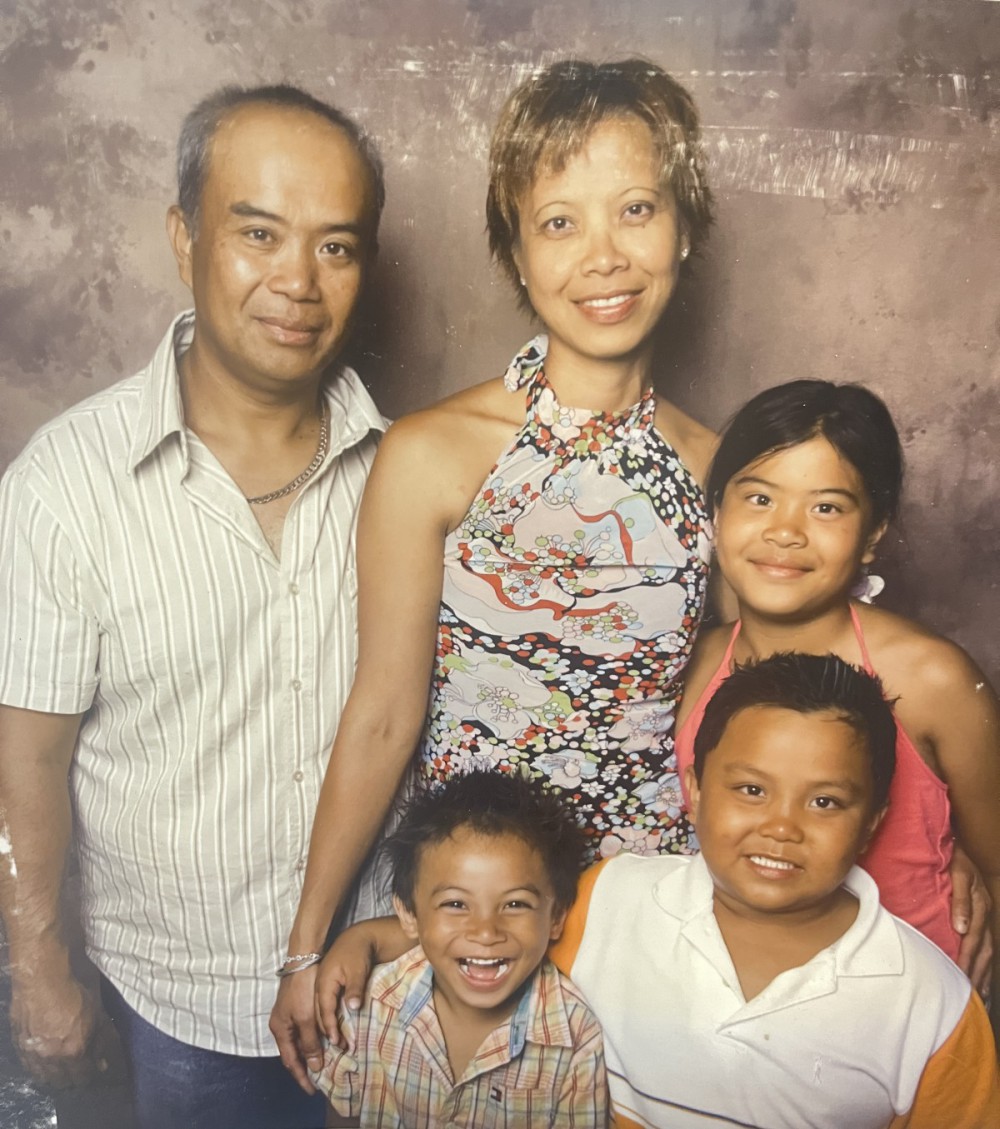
{"x": 960, "y": 1086}
{"x": 563, "y": 952}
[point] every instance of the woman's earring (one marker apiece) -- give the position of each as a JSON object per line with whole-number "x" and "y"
{"x": 523, "y": 283}
{"x": 685, "y": 251}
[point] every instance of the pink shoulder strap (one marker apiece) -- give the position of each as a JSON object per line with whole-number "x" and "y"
{"x": 860, "y": 636}
{"x": 727, "y": 659}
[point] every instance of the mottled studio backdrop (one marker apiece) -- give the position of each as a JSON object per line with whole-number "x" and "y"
{"x": 855, "y": 148}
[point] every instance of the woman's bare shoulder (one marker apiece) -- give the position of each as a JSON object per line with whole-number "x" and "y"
{"x": 694, "y": 442}
{"x": 912, "y": 658}
{"x": 446, "y": 451}
{"x": 481, "y": 407}
{"x": 487, "y": 405}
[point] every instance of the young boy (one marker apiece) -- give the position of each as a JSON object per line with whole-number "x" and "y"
{"x": 475, "y": 1027}
{"x": 761, "y": 983}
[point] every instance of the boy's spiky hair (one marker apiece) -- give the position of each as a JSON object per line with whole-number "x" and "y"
{"x": 489, "y": 804}
{"x": 807, "y": 684}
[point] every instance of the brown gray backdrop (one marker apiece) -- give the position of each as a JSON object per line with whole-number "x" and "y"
{"x": 855, "y": 148}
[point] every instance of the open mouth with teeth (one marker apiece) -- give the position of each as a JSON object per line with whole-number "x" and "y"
{"x": 608, "y": 303}
{"x": 484, "y": 970}
{"x": 610, "y": 309}
{"x": 779, "y": 866}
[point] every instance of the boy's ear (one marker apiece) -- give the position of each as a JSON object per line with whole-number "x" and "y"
{"x": 406, "y": 917}
{"x": 181, "y": 240}
{"x": 871, "y": 543}
{"x": 693, "y": 791}
{"x": 558, "y": 924}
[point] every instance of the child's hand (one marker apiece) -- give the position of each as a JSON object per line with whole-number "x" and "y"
{"x": 346, "y": 968}
{"x": 343, "y": 973}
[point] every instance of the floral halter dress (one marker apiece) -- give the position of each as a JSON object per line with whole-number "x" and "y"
{"x": 572, "y": 591}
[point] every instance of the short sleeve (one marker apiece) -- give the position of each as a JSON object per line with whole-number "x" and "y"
{"x": 960, "y": 1086}
{"x": 49, "y": 660}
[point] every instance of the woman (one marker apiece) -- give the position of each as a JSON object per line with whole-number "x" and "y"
{"x": 535, "y": 549}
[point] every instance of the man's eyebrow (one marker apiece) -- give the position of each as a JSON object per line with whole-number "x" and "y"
{"x": 251, "y": 211}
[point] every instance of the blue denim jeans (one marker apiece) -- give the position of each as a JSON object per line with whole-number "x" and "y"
{"x": 177, "y": 1086}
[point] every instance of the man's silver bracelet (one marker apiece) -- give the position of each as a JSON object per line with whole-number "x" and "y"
{"x": 295, "y": 964}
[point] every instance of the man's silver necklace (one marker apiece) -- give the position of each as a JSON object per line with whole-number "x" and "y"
{"x": 317, "y": 461}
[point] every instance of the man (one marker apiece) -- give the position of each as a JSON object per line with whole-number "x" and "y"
{"x": 176, "y": 601}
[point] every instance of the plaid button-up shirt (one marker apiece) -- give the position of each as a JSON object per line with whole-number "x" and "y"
{"x": 543, "y": 1067}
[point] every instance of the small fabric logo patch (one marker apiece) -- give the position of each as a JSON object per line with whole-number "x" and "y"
{"x": 496, "y": 1093}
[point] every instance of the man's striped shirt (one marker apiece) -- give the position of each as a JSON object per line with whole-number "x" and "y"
{"x": 137, "y": 588}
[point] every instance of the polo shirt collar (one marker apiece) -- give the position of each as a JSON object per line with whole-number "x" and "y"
{"x": 353, "y": 414}
{"x": 870, "y": 947}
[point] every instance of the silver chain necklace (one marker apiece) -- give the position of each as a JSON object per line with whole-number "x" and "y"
{"x": 317, "y": 461}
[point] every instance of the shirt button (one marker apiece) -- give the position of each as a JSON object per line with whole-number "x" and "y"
{"x": 293, "y": 588}
{"x": 298, "y": 775}
{"x": 301, "y": 864}
{"x": 296, "y": 684}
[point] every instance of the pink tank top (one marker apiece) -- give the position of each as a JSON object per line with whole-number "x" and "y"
{"x": 911, "y": 852}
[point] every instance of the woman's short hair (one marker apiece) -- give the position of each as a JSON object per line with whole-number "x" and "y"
{"x": 851, "y": 418}
{"x": 550, "y": 117}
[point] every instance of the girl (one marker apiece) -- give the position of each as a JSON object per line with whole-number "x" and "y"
{"x": 804, "y": 484}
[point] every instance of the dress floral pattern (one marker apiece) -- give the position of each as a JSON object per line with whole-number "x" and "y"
{"x": 573, "y": 589}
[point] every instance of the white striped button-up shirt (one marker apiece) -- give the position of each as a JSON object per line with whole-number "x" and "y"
{"x": 137, "y": 588}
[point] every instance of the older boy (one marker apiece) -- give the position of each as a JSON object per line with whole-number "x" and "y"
{"x": 762, "y": 984}
{"x": 475, "y": 1027}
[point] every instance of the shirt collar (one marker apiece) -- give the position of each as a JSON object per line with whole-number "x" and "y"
{"x": 161, "y": 412}
{"x": 541, "y": 1016}
{"x": 870, "y": 947}
{"x": 353, "y": 413}
{"x": 687, "y": 891}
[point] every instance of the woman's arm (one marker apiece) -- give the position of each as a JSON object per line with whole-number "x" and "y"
{"x": 958, "y": 710}
{"x": 695, "y": 443}
{"x": 402, "y": 524}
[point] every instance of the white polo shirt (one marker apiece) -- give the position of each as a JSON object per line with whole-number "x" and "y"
{"x": 881, "y": 1025}
{"x": 136, "y": 587}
